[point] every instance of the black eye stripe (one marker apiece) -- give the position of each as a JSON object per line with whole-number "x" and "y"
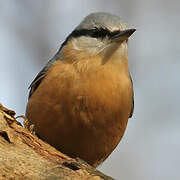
{"x": 96, "y": 33}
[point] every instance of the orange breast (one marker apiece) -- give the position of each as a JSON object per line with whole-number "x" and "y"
{"x": 82, "y": 111}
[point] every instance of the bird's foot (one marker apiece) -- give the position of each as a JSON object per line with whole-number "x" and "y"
{"x": 27, "y": 125}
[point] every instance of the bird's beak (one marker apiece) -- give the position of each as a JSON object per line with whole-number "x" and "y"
{"x": 123, "y": 35}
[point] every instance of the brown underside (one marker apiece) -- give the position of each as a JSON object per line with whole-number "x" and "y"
{"x": 82, "y": 107}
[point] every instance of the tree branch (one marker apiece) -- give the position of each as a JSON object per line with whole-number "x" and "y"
{"x": 24, "y": 156}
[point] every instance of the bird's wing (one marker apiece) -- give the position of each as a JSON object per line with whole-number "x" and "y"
{"x": 132, "y": 105}
{"x": 132, "y": 108}
{"x": 35, "y": 84}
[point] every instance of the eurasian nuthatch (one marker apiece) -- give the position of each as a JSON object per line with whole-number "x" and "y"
{"x": 81, "y": 100}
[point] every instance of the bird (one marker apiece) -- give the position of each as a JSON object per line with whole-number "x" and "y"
{"x": 80, "y": 102}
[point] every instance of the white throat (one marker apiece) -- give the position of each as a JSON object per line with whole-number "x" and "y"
{"x": 92, "y": 47}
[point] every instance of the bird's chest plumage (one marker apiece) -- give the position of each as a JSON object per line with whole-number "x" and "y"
{"x": 102, "y": 99}
{"x": 88, "y": 109}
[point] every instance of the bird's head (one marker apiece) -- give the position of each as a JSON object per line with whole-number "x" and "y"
{"x": 100, "y": 33}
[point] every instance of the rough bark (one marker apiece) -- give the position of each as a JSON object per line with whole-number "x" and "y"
{"x": 24, "y": 156}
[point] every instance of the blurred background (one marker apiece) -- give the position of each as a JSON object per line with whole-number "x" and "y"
{"x": 32, "y": 31}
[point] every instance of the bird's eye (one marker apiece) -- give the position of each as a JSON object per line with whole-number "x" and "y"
{"x": 95, "y": 29}
{"x": 99, "y": 32}
{"x": 95, "y": 32}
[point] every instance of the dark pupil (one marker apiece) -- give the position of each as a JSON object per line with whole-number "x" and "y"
{"x": 96, "y": 33}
